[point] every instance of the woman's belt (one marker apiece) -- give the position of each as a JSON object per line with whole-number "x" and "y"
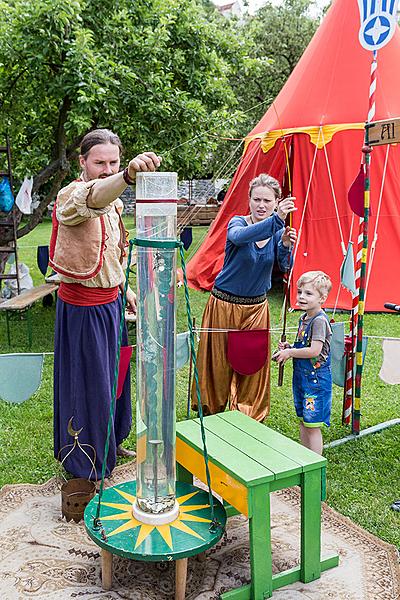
{"x": 82, "y": 295}
{"x": 227, "y": 297}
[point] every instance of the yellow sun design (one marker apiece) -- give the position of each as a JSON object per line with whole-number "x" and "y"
{"x": 146, "y": 530}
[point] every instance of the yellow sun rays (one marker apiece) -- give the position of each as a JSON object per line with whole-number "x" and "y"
{"x": 125, "y": 514}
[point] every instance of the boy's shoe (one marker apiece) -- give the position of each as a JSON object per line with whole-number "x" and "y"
{"x": 395, "y": 506}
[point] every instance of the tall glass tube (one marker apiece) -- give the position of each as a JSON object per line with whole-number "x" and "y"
{"x": 156, "y": 212}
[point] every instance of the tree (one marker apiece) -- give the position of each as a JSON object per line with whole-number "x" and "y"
{"x": 280, "y": 33}
{"x": 158, "y": 72}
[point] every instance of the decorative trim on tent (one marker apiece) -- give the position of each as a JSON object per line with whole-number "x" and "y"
{"x": 317, "y": 137}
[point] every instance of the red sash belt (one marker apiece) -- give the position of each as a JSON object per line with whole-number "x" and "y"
{"x": 81, "y": 295}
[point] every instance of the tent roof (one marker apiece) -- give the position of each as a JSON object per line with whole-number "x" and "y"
{"x": 330, "y": 83}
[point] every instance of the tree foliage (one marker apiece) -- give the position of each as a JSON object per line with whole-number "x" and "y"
{"x": 158, "y": 72}
{"x": 164, "y": 74}
{"x": 280, "y": 33}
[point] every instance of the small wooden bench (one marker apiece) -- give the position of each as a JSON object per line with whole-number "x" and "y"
{"x": 247, "y": 462}
{"x": 23, "y": 302}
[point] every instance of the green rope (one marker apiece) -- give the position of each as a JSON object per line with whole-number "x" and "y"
{"x": 157, "y": 244}
{"x": 214, "y": 522}
{"x": 164, "y": 244}
{"x": 114, "y": 388}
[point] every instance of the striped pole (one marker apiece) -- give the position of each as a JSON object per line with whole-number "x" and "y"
{"x": 364, "y": 253}
{"x": 349, "y": 388}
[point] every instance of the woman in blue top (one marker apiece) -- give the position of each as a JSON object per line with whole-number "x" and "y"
{"x": 239, "y": 300}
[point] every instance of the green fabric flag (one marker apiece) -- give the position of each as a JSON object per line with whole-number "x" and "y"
{"x": 182, "y": 349}
{"x": 20, "y": 376}
{"x": 338, "y": 358}
{"x": 347, "y": 278}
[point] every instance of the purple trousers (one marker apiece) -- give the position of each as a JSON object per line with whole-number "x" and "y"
{"x": 85, "y": 349}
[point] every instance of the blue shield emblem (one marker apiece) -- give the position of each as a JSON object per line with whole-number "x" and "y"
{"x": 378, "y": 22}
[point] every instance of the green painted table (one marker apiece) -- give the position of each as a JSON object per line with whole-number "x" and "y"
{"x": 247, "y": 462}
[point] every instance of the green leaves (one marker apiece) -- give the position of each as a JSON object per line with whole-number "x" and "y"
{"x": 163, "y": 74}
{"x": 137, "y": 67}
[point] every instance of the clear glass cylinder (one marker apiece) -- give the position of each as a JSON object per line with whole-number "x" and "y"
{"x": 156, "y": 213}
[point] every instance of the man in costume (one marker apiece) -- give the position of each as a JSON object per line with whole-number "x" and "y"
{"x": 87, "y": 249}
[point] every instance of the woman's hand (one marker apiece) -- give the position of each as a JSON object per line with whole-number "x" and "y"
{"x": 286, "y": 206}
{"x": 289, "y": 237}
{"x": 131, "y": 300}
{"x": 145, "y": 162}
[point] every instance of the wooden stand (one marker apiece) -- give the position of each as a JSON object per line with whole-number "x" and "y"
{"x": 121, "y": 534}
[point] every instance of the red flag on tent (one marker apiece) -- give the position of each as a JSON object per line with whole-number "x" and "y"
{"x": 355, "y": 194}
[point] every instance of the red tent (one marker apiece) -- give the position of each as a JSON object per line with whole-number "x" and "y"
{"x": 321, "y": 112}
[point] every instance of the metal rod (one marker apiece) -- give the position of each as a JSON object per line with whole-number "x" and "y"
{"x": 364, "y": 432}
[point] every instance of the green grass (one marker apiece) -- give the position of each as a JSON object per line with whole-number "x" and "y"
{"x": 363, "y": 475}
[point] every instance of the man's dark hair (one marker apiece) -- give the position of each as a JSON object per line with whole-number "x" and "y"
{"x": 99, "y": 136}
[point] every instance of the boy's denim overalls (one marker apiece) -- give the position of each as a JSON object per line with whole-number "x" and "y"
{"x": 312, "y": 383}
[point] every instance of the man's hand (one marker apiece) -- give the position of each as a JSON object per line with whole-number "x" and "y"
{"x": 145, "y": 162}
{"x": 289, "y": 237}
{"x": 131, "y": 300}
{"x": 286, "y": 206}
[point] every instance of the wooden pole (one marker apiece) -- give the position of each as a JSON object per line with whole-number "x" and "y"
{"x": 106, "y": 569}
{"x": 190, "y": 375}
{"x": 180, "y": 578}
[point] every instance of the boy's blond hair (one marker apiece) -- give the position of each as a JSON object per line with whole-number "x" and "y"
{"x": 318, "y": 279}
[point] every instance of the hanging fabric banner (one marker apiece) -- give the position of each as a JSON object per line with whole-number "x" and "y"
{"x": 182, "y": 349}
{"x": 42, "y": 258}
{"x": 338, "y": 358}
{"x": 347, "y": 277}
{"x": 378, "y": 23}
{"x": 355, "y": 194}
{"x": 24, "y": 196}
{"x": 20, "y": 376}
{"x": 247, "y": 350}
{"x": 124, "y": 360}
{"x": 390, "y": 369}
{"x": 187, "y": 237}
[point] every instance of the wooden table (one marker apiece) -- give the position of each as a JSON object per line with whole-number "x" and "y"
{"x": 247, "y": 462}
{"x": 23, "y": 302}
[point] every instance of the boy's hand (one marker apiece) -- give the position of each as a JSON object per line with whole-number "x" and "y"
{"x": 283, "y": 345}
{"x": 283, "y": 355}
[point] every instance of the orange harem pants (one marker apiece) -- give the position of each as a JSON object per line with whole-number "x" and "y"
{"x": 219, "y": 383}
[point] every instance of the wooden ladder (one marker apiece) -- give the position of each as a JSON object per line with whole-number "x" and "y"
{"x": 9, "y": 220}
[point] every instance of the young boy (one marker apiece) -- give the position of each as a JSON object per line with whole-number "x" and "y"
{"x": 312, "y": 377}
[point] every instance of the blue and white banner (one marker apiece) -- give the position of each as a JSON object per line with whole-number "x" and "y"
{"x": 378, "y": 22}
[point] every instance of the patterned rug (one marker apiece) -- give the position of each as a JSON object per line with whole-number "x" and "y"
{"x": 44, "y": 557}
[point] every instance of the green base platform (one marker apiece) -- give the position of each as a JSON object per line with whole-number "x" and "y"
{"x": 122, "y": 534}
